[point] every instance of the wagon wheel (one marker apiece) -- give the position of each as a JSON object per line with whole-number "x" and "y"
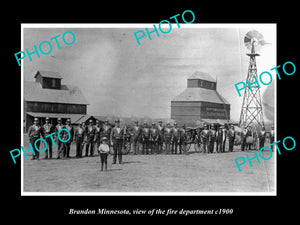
{"x": 188, "y": 143}
{"x": 198, "y": 146}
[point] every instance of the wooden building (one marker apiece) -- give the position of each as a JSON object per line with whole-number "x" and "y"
{"x": 48, "y": 97}
{"x": 200, "y": 101}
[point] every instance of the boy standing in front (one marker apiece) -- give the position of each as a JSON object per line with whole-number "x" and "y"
{"x": 103, "y": 152}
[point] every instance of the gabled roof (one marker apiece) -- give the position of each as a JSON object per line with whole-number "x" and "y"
{"x": 49, "y": 74}
{"x": 202, "y": 76}
{"x": 69, "y": 94}
{"x": 201, "y": 94}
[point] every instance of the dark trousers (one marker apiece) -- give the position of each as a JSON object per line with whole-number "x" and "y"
{"x": 135, "y": 146}
{"x": 205, "y": 145}
{"x": 231, "y": 143}
{"x": 79, "y": 146}
{"x": 37, "y": 154}
{"x": 174, "y": 146}
{"x": 146, "y": 146}
{"x": 60, "y": 149}
{"x": 97, "y": 143}
{"x": 68, "y": 147}
{"x": 219, "y": 146}
{"x": 48, "y": 152}
{"x": 103, "y": 159}
{"x": 211, "y": 145}
{"x": 153, "y": 147}
{"x": 167, "y": 146}
{"x": 272, "y": 141}
{"x": 159, "y": 145}
{"x": 182, "y": 147}
{"x": 223, "y": 145}
{"x": 243, "y": 144}
{"x": 89, "y": 144}
{"x": 117, "y": 146}
{"x": 261, "y": 142}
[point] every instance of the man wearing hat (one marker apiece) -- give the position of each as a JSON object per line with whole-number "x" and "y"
{"x": 224, "y": 137}
{"x": 97, "y": 134}
{"x": 182, "y": 139}
{"x": 160, "y": 140}
{"x": 48, "y": 129}
{"x": 145, "y": 138}
{"x": 35, "y": 132}
{"x": 105, "y": 130}
{"x": 68, "y": 143}
{"x": 231, "y": 137}
{"x": 219, "y": 139}
{"x": 175, "y": 138}
{"x": 135, "y": 137}
{"x": 243, "y": 138}
{"x": 79, "y": 137}
{"x": 167, "y": 138}
{"x": 153, "y": 138}
{"x": 116, "y": 140}
{"x": 204, "y": 138}
{"x": 90, "y": 134}
{"x": 249, "y": 137}
{"x": 272, "y": 136}
{"x": 60, "y": 146}
{"x": 211, "y": 138}
{"x": 261, "y": 137}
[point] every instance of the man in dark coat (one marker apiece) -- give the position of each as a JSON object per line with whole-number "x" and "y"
{"x": 79, "y": 137}
{"x": 204, "y": 138}
{"x": 231, "y": 137}
{"x": 48, "y": 129}
{"x": 35, "y": 132}
{"x": 68, "y": 143}
{"x": 90, "y": 134}
{"x": 116, "y": 139}
{"x": 135, "y": 137}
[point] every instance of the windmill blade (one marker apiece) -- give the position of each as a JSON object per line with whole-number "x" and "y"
{"x": 255, "y": 38}
{"x": 264, "y": 42}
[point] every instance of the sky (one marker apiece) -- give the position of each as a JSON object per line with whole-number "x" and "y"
{"x": 121, "y": 78}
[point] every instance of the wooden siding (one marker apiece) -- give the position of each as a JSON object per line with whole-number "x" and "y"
{"x": 55, "y": 107}
{"x": 189, "y": 111}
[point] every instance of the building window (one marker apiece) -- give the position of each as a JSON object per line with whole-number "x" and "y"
{"x": 201, "y": 83}
{"x": 53, "y": 83}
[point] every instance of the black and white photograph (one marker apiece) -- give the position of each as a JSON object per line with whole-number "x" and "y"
{"x": 144, "y": 109}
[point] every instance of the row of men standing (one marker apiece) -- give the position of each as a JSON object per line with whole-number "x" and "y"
{"x": 37, "y": 131}
{"x": 90, "y": 135}
{"x": 150, "y": 140}
{"x": 209, "y": 137}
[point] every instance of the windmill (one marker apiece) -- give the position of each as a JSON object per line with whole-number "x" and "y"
{"x": 252, "y": 112}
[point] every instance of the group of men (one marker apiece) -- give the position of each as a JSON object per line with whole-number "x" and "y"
{"x": 37, "y": 131}
{"x": 208, "y": 137}
{"x": 247, "y": 136}
{"x": 144, "y": 139}
{"x": 150, "y": 140}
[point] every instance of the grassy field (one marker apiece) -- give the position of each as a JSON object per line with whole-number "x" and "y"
{"x": 195, "y": 172}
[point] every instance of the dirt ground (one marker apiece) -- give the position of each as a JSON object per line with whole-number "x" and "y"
{"x": 195, "y": 172}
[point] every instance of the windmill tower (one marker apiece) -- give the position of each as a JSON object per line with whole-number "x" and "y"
{"x": 252, "y": 112}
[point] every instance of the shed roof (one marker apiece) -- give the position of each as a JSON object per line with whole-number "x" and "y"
{"x": 68, "y": 94}
{"x": 201, "y": 94}
{"x": 73, "y": 117}
{"x": 202, "y": 76}
{"x": 50, "y": 74}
